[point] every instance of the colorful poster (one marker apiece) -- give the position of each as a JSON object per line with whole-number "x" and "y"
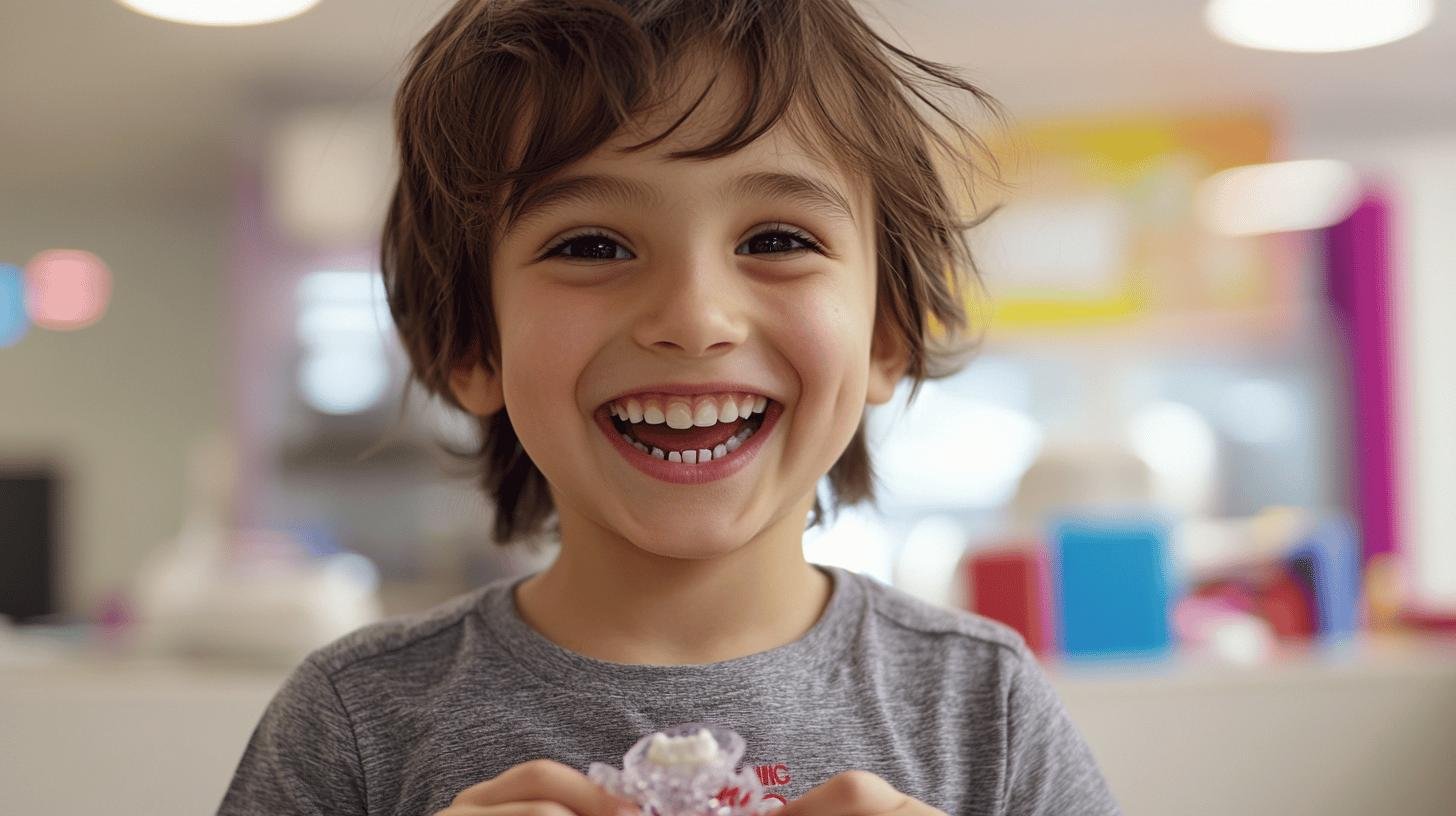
{"x": 1097, "y": 225}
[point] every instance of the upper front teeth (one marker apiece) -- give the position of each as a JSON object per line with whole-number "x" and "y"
{"x": 682, "y": 412}
{"x": 698, "y": 749}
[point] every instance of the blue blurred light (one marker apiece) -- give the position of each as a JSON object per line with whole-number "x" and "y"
{"x": 14, "y": 322}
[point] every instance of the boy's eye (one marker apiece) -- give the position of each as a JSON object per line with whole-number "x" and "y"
{"x": 778, "y": 241}
{"x": 591, "y": 246}
{"x": 596, "y": 246}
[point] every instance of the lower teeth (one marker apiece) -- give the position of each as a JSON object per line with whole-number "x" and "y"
{"x": 695, "y": 457}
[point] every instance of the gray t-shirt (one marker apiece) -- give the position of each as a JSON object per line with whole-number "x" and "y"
{"x": 400, "y": 716}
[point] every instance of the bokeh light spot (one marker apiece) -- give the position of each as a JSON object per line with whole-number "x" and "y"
{"x": 343, "y": 381}
{"x": 14, "y": 322}
{"x": 66, "y": 289}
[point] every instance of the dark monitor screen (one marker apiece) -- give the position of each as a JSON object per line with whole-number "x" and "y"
{"x": 29, "y": 526}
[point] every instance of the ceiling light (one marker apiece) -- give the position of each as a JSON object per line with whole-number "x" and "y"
{"x": 1285, "y": 196}
{"x": 221, "y": 12}
{"x": 1314, "y": 26}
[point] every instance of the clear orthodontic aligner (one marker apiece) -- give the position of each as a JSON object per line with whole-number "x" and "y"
{"x": 687, "y": 770}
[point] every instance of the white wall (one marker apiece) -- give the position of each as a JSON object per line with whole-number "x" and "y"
{"x": 1419, "y": 173}
{"x": 120, "y": 401}
{"x": 1427, "y": 240}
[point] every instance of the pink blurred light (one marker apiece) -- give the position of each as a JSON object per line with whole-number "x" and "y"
{"x": 66, "y": 289}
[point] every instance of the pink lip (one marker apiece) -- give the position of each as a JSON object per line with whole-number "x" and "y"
{"x": 681, "y": 472}
{"x": 692, "y": 390}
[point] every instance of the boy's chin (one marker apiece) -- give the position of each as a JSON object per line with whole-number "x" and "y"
{"x": 691, "y": 541}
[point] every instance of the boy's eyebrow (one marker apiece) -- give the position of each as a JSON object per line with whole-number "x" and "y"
{"x": 807, "y": 192}
{"x": 617, "y": 190}
{"x": 601, "y": 189}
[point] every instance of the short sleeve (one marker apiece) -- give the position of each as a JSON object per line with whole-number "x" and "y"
{"x": 302, "y": 759}
{"x": 1050, "y": 770}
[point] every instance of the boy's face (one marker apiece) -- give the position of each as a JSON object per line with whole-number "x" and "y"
{"x": 680, "y": 276}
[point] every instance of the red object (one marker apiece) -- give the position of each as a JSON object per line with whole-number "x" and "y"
{"x": 1288, "y": 607}
{"x": 1013, "y": 586}
{"x": 1235, "y": 594}
{"x": 1431, "y": 621}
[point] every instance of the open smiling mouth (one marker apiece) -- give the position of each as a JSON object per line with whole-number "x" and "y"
{"x": 689, "y": 439}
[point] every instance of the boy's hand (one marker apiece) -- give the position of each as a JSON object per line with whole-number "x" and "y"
{"x": 856, "y": 793}
{"x": 540, "y": 787}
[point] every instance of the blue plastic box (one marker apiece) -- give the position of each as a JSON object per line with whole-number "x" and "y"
{"x": 1114, "y": 590}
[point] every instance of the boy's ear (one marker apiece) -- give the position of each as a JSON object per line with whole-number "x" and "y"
{"x": 477, "y": 389}
{"x": 889, "y": 360}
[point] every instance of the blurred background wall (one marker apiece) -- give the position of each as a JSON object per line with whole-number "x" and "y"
{"x": 119, "y": 408}
{"x": 1241, "y": 428}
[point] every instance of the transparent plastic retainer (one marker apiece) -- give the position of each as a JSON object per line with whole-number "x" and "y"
{"x": 687, "y": 770}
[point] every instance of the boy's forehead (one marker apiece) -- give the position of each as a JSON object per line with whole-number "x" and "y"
{"x": 779, "y": 150}
{"x": 776, "y": 152}
{"x": 775, "y": 166}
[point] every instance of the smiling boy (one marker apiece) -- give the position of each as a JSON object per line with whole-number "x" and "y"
{"x": 667, "y": 252}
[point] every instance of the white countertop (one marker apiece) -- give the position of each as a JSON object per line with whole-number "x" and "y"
{"x": 1366, "y": 728}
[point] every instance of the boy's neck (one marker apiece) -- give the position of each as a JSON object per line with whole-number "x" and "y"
{"x": 644, "y": 609}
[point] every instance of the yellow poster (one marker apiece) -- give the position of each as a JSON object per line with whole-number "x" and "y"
{"x": 1097, "y": 224}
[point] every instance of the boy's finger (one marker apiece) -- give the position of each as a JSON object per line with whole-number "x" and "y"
{"x": 852, "y": 793}
{"x": 548, "y": 780}
{"x": 509, "y": 809}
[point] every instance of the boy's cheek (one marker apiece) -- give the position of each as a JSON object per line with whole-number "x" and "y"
{"x": 825, "y": 338}
{"x": 561, "y": 331}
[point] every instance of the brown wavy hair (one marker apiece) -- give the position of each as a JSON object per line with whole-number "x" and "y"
{"x": 501, "y": 94}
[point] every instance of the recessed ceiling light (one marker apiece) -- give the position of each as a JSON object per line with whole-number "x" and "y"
{"x": 220, "y": 12}
{"x": 1316, "y": 25}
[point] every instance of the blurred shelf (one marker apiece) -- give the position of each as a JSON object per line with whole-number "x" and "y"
{"x": 1368, "y": 656}
{"x": 1239, "y": 331}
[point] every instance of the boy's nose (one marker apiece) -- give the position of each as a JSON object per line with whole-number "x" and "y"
{"x": 694, "y": 313}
